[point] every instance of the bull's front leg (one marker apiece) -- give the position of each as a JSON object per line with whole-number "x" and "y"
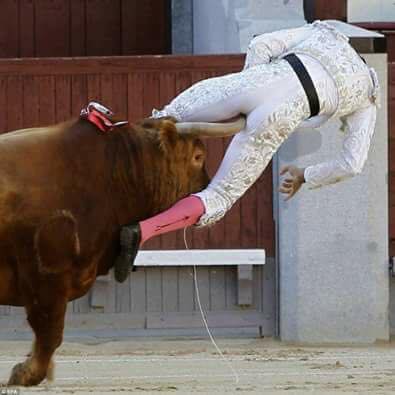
{"x": 47, "y": 322}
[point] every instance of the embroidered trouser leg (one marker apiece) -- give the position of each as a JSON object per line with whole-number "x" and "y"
{"x": 250, "y": 152}
{"x": 219, "y": 98}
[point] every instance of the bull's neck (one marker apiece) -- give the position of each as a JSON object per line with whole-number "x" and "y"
{"x": 142, "y": 178}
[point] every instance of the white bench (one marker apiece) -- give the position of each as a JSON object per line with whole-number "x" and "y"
{"x": 243, "y": 259}
{"x": 201, "y": 258}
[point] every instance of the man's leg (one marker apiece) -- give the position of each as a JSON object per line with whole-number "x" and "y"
{"x": 219, "y": 98}
{"x": 184, "y": 213}
{"x": 249, "y": 153}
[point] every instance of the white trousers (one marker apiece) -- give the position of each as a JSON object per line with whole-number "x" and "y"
{"x": 275, "y": 104}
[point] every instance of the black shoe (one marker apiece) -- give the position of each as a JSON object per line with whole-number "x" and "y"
{"x": 130, "y": 240}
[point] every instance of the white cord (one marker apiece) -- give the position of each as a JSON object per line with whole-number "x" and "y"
{"x": 226, "y": 360}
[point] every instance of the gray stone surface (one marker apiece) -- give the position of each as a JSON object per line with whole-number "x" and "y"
{"x": 182, "y": 26}
{"x": 371, "y": 11}
{"x": 333, "y": 242}
{"x": 227, "y": 26}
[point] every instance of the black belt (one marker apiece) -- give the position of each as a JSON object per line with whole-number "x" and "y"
{"x": 306, "y": 82}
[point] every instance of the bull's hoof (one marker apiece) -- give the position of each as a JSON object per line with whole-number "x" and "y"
{"x": 130, "y": 241}
{"x": 51, "y": 371}
{"x": 23, "y": 374}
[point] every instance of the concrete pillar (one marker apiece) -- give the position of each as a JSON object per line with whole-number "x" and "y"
{"x": 227, "y": 26}
{"x": 182, "y": 26}
{"x": 333, "y": 242}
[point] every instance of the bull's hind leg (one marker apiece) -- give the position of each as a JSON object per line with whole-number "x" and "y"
{"x": 56, "y": 247}
{"x": 47, "y": 322}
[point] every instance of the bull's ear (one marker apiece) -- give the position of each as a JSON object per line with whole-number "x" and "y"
{"x": 167, "y": 135}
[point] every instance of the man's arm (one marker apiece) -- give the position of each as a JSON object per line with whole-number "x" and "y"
{"x": 349, "y": 162}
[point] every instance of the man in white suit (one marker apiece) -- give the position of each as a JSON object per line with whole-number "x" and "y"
{"x": 292, "y": 79}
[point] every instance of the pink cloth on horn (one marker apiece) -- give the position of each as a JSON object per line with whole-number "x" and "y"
{"x": 184, "y": 213}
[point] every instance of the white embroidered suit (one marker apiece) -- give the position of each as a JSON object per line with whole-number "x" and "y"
{"x": 269, "y": 93}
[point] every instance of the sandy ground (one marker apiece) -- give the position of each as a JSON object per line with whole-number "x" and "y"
{"x": 168, "y": 366}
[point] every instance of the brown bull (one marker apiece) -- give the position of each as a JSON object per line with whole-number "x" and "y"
{"x": 65, "y": 191}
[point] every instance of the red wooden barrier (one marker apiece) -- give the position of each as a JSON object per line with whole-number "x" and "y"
{"x": 41, "y": 28}
{"x": 42, "y": 91}
{"x": 324, "y": 9}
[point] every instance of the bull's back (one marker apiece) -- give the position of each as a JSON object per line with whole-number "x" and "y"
{"x": 43, "y": 170}
{"x": 28, "y": 167}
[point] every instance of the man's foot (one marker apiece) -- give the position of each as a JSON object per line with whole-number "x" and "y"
{"x": 130, "y": 242}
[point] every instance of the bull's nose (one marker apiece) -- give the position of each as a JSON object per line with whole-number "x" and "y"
{"x": 206, "y": 180}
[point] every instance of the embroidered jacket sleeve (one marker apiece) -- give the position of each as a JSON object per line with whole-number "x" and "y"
{"x": 350, "y": 161}
{"x": 266, "y": 47}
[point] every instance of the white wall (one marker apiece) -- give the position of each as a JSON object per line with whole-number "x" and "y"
{"x": 227, "y": 26}
{"x": 371, "y": 10}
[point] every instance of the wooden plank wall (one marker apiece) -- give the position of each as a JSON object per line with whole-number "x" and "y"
{"x": 140, "y": 304}
{"x": 52, "y": 28}
{"x": 39, "y": 92}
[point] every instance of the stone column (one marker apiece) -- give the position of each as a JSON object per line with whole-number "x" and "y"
{"x": 333, "y": 242}
{"x": 227, "y": 26}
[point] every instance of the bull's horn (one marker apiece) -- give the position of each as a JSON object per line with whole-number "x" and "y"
{"x": 209, "y": 129}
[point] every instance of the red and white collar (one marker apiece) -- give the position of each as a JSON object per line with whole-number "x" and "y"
{"x": 100, "y": 115}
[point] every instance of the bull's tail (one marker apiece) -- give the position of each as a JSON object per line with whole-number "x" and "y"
{"x": 57, "y": 243}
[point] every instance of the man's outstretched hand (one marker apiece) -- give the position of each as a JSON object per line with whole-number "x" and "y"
{"x": 292, "y": 182}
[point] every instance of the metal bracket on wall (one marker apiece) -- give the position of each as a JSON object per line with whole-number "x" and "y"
{"x": 244, "y": 285}
{"x": 99, "y": 293}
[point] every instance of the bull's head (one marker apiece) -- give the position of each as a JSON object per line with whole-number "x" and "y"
{"x": 187, "y": 153}
{"x": 183, "y": 154}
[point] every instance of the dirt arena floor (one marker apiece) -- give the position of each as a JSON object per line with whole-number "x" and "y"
{"x": 184, "y": 366}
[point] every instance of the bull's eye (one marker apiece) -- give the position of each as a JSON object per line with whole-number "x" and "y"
{"x": 198, "y": 159}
